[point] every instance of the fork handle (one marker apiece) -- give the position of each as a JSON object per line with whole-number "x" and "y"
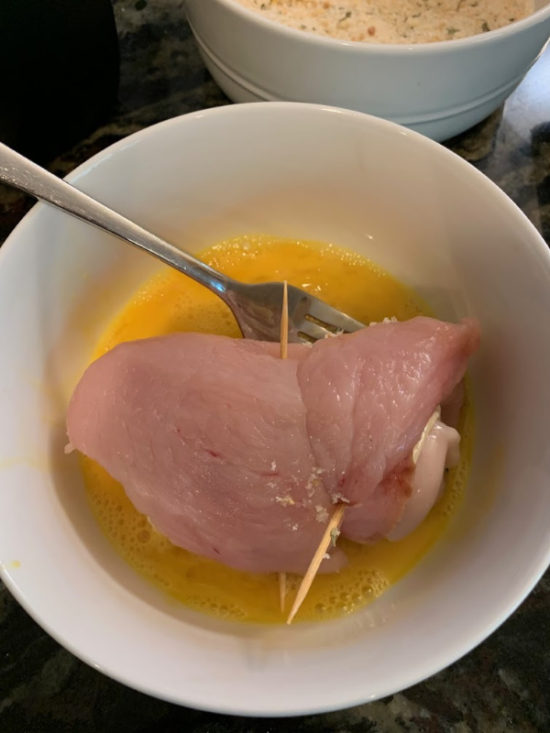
{"x": 20, "y": 172}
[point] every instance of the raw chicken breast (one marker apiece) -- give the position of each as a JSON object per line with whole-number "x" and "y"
{"x": 368, "y": 397}
{"x": 238, "y": 455}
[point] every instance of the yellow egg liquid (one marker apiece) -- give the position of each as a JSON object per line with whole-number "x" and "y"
{"x": 172, "y": 302}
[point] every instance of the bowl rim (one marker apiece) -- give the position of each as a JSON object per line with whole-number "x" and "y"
{"x": 428, "y": 667}
{"x": 405, "y": 49}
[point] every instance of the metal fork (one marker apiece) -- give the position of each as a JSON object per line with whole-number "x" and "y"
{"x": 257, "y": 308}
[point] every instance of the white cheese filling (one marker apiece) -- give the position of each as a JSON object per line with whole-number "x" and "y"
{"x": 437, "y": 449}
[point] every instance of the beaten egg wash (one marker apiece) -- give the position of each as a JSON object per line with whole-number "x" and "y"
{"x": 172, "y": 302}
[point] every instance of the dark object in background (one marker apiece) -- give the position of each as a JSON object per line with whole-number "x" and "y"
{"x": 59, "y": 67}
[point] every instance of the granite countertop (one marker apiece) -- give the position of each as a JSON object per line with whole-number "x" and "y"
{"x": 504, "y": 684}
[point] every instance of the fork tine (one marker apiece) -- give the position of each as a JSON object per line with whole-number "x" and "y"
{"x": 310, "y": 331}
{"x": 334, "y": 319}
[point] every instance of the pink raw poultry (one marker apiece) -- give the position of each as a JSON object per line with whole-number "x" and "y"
{"x": 238, "y": 455}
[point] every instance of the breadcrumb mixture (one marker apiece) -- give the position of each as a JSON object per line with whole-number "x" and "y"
{"x": 393, "y": 21}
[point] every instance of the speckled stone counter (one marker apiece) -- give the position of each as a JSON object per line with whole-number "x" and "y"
{"x": 504, "y": 684}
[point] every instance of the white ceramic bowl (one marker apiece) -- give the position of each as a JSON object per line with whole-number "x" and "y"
{"x": 308, "y": 172}
{"x": 438, "y": 89}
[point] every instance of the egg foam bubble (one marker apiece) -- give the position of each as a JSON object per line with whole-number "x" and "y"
{"x": 170, "y": 302}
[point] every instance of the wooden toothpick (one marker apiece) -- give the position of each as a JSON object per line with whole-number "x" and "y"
{"x": 284, "y": 354}
{"x": 333, "y": 523}
{"x": 282, "y": 590}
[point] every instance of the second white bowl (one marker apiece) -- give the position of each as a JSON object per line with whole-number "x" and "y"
{"x": 438, "y": 89}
